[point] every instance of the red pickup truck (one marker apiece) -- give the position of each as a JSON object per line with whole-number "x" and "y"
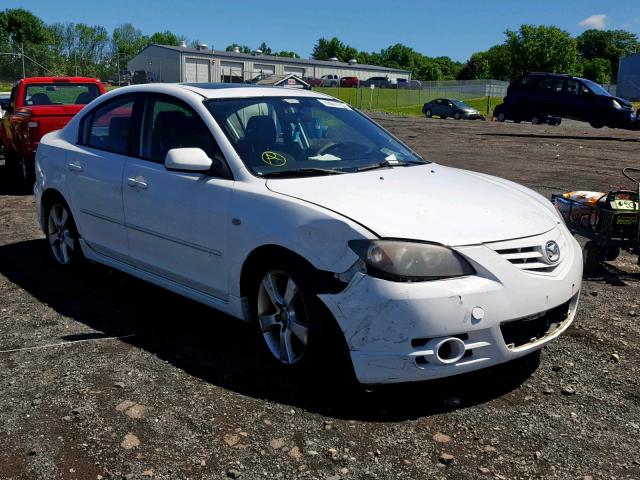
{"x": 37, "y": 106}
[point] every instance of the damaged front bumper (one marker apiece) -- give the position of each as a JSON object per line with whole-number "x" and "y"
{"x": 403, "y": 332}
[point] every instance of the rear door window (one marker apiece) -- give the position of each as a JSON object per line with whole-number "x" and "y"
{"x": 109, "y": 126}
{"x": 552, "y": 84}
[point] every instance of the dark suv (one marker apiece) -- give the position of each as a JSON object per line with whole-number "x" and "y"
{"x": 378, "y": 82}
{"x": 538, "y": 96}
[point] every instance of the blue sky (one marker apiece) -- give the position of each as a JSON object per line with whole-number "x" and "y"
{"x": 456, "y": 28}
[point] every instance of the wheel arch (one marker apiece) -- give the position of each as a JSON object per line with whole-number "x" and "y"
{"x": 47, "y": 198}
{"x": 267, "y": 253}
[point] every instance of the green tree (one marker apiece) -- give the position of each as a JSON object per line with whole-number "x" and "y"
{"x": 285, "y": 53}
{"x": 597, "y": 69}
{"x": 607, "y": 44}
{"x": 127, "y": 41}
{"x": 168, "y": 38}
{"x": 264, "y": 48}
{"x": 541, "y": 48}
{"x": 499, "y": 58}
{"x": 477, "y": 67}
{"x": 22, "y": 26}
{"x": 242, "y": 48}
{"x": 325, "y": 49}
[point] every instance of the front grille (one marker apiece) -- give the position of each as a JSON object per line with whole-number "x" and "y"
{"x": 527, "y": 253}
{"x": 530, "y": 329}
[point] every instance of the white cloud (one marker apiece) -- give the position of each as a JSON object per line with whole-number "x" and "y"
{"x": 598, "y": 21}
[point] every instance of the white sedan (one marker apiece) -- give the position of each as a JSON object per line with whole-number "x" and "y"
{"x": 292, "y": 210}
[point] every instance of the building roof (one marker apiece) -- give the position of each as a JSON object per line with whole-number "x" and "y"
{"x": 272, "y": 58}
{"x": 279, "y": 80}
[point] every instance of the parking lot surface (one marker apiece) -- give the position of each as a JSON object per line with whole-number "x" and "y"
{"x": 149, "y": 385}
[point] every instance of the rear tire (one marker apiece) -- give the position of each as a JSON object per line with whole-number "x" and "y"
{"x": 611, "y": 253}
{"x": 428, "y": 113}
{"x": 596, "y": 124}
{"x": 591, "y": 256}
{"x": 501, "y": 117}
{"x": 535, "y": 120}
{"x": 62, "y": 236}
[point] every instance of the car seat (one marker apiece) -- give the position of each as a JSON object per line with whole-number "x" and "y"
{"x": 40, "y": 99}
{"x": 84, "y": 98}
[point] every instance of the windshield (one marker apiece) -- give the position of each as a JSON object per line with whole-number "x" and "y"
{"x": 595, "y": 88}
{"x": 293, "y": 136}
{"x": 460, "y": 103}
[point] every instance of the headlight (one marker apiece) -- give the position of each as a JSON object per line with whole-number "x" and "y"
{"x": 405, "y": 261}
{"x": 616, "y": 105}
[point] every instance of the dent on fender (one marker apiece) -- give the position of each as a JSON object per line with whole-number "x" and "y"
{"x": 324, "y": 235}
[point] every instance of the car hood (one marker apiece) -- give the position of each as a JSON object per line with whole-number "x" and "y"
{"x": 431, "y": 203}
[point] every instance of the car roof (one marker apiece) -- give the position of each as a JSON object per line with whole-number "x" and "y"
{"x": 29, "y": 80}
{"x": 225, "y": 90}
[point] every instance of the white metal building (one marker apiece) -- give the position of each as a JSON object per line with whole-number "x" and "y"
{"x": 182, "y": 64}
{"x": 629, "y": 77}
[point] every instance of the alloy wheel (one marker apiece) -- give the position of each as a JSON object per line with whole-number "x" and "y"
{"x": 60, "y": 234}
{"x": 282, "y": 317}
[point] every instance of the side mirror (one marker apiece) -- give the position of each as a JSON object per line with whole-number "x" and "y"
{"x": 187, "y": 160}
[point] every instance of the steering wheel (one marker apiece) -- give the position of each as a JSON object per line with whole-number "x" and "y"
{"x": 326, "y": 147}
{"x": 350, "y": 148}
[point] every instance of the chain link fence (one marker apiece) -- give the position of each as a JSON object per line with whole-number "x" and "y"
{"x": 408, "y": 99}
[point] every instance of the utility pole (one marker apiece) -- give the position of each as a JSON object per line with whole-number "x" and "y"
{"x": 24, "y": 75}
{"x": 118, "y": 64}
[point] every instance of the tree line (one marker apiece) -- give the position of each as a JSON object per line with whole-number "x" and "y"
{"x": 594, "y": 54}
{"x": 77, "y": 48}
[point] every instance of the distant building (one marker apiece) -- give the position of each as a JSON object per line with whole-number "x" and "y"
{"x": 183, "y": 64}
{"x": 629, "y": 77}
{"x": 288, "y": 81}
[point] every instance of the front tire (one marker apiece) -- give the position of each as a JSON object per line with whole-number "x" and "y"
{"x": 457, "y": 116}
{"x": 62, "y": 235}
{"x": 295, "y": 329}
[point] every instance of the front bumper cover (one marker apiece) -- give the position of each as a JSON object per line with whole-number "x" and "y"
{"x": 391, "y": 327}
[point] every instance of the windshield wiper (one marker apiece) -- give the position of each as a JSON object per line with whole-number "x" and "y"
{"x": 387, "y": 164}
{"x": 302, "y": 172}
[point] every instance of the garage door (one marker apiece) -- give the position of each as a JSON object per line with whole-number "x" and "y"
{"x": 295, "y": 70}
{"x": 232, "y": 72}
{"x": 264, "y": 69}
{"x": 196, "y": 70}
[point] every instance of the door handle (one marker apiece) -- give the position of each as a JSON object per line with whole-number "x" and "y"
{"x": 75, "y": 167}
{"x": 137, "y": 182}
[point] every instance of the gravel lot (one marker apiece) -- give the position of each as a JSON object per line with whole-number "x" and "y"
{"x": 183, "y": 395}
